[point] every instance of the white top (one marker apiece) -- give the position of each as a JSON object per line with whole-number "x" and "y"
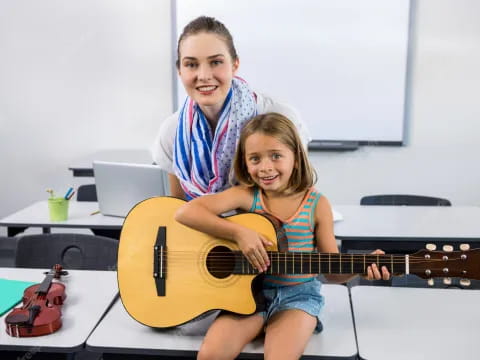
{"x": 119, "y": 333}
{"x": 89, "y": 294}
{"x": 455, "y": 223}
{"x": 410, "y": 323}
{"x": 162, "y": 149}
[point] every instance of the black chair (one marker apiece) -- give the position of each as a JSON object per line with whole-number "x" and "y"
{"x": 409, "y": 200}
{"x": 8, "y": 246}
{"x": 72, "y": 251}
{"x": 87, "y": 192}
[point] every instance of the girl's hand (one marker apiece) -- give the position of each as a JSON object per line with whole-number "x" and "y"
{"x": 252, "y": 245}
{"x": 373, "y": 272}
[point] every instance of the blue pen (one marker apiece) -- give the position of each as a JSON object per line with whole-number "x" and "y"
{"x": 71, "y": 195}
{"x": 68, "y": 193}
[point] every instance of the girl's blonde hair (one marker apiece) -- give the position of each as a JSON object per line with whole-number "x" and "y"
{"x": 281, "y": 128}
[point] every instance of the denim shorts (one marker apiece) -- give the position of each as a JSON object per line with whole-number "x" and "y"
{"x": 304, "y": 297}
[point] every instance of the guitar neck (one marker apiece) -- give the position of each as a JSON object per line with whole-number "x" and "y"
{"x": 323, "y": 263}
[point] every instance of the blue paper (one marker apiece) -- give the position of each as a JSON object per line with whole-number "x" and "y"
{"x": 11, "y": 293}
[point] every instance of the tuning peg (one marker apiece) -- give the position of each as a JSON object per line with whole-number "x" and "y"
{"x": 464, "y": 247}
{"x": 431, "y": 282}
{"x": 465, "y": 282}
{"x": 447, "y": 281}
{"x": 447, "y": 248}
{"x": 431, "y": 247}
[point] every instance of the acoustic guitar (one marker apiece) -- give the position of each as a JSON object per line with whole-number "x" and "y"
{"x": 169, "y": 274}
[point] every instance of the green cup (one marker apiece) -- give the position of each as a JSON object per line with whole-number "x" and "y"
{"x": 58, "y": 208}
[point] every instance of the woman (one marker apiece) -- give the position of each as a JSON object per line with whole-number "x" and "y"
{"x": 196, "y": 144}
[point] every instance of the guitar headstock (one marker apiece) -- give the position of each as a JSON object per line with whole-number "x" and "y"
{"x": 431, "y": 263}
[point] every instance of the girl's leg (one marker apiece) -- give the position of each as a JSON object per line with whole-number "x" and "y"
{"x": 287, "y": 334}
{"x": 228, "y": 335}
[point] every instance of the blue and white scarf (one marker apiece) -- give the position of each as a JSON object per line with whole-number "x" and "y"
{"x": 202, "y": 164}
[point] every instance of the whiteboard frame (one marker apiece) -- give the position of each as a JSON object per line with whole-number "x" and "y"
{"x": 317, "y": 143}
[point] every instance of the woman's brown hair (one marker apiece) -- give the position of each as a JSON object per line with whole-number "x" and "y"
{"x": 281, "y": 128}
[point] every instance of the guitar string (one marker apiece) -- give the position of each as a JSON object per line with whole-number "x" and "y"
{"x": 219, "y": 264}
{"x": 305, "y": 253}
{"x": 252, "y": 270}
{"x": 324, "y": 257}
{"x": 346, "y": 264}
{"x": 316, "y": 261}
{"x": 223, "y": 264}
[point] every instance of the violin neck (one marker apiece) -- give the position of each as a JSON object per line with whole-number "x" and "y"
{"x": 45, "y": 285}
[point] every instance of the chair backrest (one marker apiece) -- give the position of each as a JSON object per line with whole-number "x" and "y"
{"x": 72, "y": 251}
{"x": 87, "y": 192}
{"x": 410, "y": 200}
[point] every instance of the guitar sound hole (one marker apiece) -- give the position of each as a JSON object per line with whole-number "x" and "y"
{"x": 220, "y": 262}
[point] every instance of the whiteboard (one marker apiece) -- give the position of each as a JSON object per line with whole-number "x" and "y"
{"x": 341, "y": 64}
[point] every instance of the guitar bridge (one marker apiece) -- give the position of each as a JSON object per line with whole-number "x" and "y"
{"x": 160, "y": 260}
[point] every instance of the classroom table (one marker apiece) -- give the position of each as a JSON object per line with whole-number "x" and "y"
{"x": 79, "y": 216}
{"x": 406, "y": 323}
{"x": 118, "y": 333}
{"x": 83, "y": 167}
{"x": 89, "y": 294}
{"x": 413, "y": 226}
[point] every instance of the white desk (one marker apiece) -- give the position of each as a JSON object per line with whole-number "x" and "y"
{"x": 83, "y": 166}
{"x": 451, "y": 224}
{"x": 405, "y": 323}
{"x": 119, "y": 333}
{"x": 89, "y": 294}
{"x": 37, "y": 215}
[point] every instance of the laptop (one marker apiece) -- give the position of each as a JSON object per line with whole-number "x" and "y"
{"x": 120, "y": 186}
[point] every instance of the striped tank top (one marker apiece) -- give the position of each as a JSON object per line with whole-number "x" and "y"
{"x": 300, "y": 233}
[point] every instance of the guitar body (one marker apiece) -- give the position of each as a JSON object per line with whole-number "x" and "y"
{"x": 192, "y": 286}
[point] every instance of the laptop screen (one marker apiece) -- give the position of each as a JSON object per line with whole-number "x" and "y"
{"x": 120, "y": 186}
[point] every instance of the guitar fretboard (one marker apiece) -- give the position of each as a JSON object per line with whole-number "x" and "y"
{"x": 322, "y": 263}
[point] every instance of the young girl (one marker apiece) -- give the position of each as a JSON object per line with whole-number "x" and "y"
{"x": 196, "y": 144}
{"x": 275, "y": 177}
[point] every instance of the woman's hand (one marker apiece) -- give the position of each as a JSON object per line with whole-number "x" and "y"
{"x": 253, "y": 245}
{"x": 373, "y": 273}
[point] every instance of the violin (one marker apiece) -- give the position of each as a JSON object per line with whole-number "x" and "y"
{"x": 41, "y": 312}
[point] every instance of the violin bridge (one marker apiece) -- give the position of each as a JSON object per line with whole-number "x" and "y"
{"x": 160, "y": 260}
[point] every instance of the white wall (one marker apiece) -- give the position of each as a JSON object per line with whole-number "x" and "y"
{"x": 78, "y": 77}
{"x": 440, "y": 158}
